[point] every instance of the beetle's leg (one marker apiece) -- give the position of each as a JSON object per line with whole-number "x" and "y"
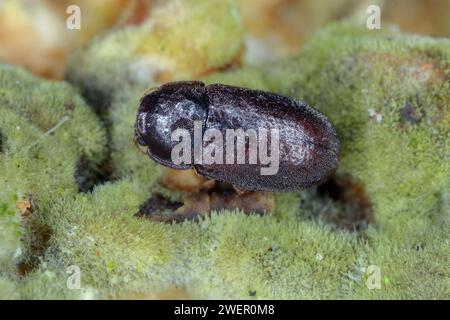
{"x": 196, "y": 171}
{"x": 240, "y": 191}
{"x": 208, "y": 183}
{"x": 195, "y": 207}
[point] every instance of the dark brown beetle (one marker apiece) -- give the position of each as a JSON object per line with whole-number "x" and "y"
{"x": 306, "y": 149}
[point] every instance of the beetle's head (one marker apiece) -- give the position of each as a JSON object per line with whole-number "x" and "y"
{"x": 162, "y": 112}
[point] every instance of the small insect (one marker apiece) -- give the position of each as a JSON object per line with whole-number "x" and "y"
{"x": 280, "y": 133}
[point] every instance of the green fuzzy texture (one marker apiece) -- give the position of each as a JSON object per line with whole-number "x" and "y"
{"x": 8, "y": 290}
{"x": 10, "y": 233}
{"x": 180, "y": 40}
{"x": 48, "y": 106}
{"x": 413, "y": 265}
{"x": 45, "y": 128}
{"x": 225, "y": 256}
{"x": 365, "y": 82}
{"x": 387, "y": 95}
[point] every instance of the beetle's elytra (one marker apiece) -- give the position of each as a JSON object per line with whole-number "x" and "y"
{"x": 307, "y": 144}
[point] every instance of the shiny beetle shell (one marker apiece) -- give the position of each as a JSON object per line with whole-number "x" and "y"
{"x": 308, "y": 144}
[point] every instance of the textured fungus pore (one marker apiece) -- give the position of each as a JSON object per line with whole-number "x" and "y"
{"x": 89, "y": 173}
{"x": 2, "y": 142}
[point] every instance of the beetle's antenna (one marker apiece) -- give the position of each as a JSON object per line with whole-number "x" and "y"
{"x": 147, "y": 92}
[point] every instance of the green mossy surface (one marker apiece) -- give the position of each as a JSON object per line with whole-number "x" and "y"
{"x": 8, "y": 289}
{"x": 361, "y": 80}
{"x": 227, "y": 255}
{"x": 388, "y": 95}
{"x": 46, "y": 127}
{"x": 180, "y": 40}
